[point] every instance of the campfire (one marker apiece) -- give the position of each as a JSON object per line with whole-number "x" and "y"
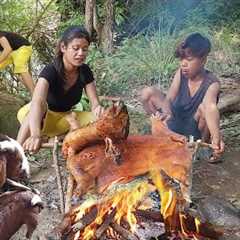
{"x": 144, "y": 195}
{"x": 125, "y": 210}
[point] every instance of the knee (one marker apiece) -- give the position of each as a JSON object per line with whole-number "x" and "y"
{"x": 146, "y": 93}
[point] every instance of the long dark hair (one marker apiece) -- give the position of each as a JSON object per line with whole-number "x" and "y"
{"x": 68, "y": 35}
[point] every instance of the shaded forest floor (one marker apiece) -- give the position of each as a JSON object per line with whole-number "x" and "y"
{"x": 221, "y": 180}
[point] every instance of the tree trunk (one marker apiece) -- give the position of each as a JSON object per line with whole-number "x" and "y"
{"x": 107, "y": 31}
{"x": 89, "y": 8}
{"x": 9, "y": 106}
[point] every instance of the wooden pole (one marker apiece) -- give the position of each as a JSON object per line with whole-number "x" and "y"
{"x": 70, "y": 184}
{"x": 57, "y": 169}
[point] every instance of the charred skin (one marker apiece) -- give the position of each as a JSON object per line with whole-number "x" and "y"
{"x": 140, "y": 154}
{"x": 114, "y": 123}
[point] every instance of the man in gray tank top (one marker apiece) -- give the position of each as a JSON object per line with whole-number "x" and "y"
{"x": 190, "y": 106}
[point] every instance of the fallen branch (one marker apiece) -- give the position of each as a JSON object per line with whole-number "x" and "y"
{"x": 85, "y": 220}
{"x": 230, "y": 103}
{"x": 150, "y": 214}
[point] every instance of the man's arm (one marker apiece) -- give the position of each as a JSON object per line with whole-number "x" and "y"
{"x": 172, "y": 93}
{"x": 212, "y": 115}
{"x": 6, "y": 49}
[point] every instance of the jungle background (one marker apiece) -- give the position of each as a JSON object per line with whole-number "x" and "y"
{"x": 133, "y": 46}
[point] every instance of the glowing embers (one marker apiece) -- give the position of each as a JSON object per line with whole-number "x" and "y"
{"x": 123, "y": 209}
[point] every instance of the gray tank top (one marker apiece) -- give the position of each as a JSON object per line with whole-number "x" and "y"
{"x": 185, "y": 106}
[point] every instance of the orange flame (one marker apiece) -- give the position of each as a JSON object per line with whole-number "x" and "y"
{"x": 125, "y": 202}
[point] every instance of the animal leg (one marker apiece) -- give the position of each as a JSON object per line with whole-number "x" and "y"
{"x": 161, "y": 129}
{"x": 83, "y": 179}
{"x": 31, "y": 221}
{"x": 112, "y": 151}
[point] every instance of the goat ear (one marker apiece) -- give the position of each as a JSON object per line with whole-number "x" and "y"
{"x": 6, "y": 146}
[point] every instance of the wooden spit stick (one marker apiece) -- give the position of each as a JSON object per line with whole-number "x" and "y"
{"x": 50, "y": 145}
{"x": 57, "y": 169}
{"x": 70, "y": 186}
{"x": 199, "y": 143}
{"x": 190, "y": 144}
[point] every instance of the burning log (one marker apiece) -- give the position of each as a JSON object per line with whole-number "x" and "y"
{"x": 105, "y": 224}
{"x": 120, "y": 204}
{"x": 123, "y": 232}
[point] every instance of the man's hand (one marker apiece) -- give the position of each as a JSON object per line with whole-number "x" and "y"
{"x": 163, "y": 116}
{"x": 218, "y": 149}
{"x": 32, "y": 144}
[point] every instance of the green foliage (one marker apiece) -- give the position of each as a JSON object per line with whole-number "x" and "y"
{"x": 140, "y": 60}
{"x": 83, "y": 105}
{"x": 14, "y": 14}
{"x": 75, "y": 19}
{"x": 213, "y": 13}
{"x": 146, "y": 58}
{"x": 225, "y": 57}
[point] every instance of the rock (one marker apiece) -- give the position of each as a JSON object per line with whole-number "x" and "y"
{"x": 9, "y": 106}
{"x": 219, "y": 212}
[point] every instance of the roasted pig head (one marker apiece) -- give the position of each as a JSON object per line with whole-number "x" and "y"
{"x": 114, "y": 124}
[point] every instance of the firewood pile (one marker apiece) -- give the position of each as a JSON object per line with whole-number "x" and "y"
{"x": 148, "y": 206}
{"x": 135, "y": 188}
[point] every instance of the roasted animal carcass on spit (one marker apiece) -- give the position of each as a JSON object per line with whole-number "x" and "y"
{"x": 91, "y": 167}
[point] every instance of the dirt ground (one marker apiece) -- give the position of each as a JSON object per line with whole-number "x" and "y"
{"x": 220, "y": 180}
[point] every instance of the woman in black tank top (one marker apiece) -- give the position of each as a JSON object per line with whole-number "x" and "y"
{"x": 16, "y": 50}
{"x": 58, "y": 89}
{"x": 190, "y": 106}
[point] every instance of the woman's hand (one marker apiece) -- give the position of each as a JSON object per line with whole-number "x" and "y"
{"x": 32, "y": 144}
{"x": 98, "y": 111}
